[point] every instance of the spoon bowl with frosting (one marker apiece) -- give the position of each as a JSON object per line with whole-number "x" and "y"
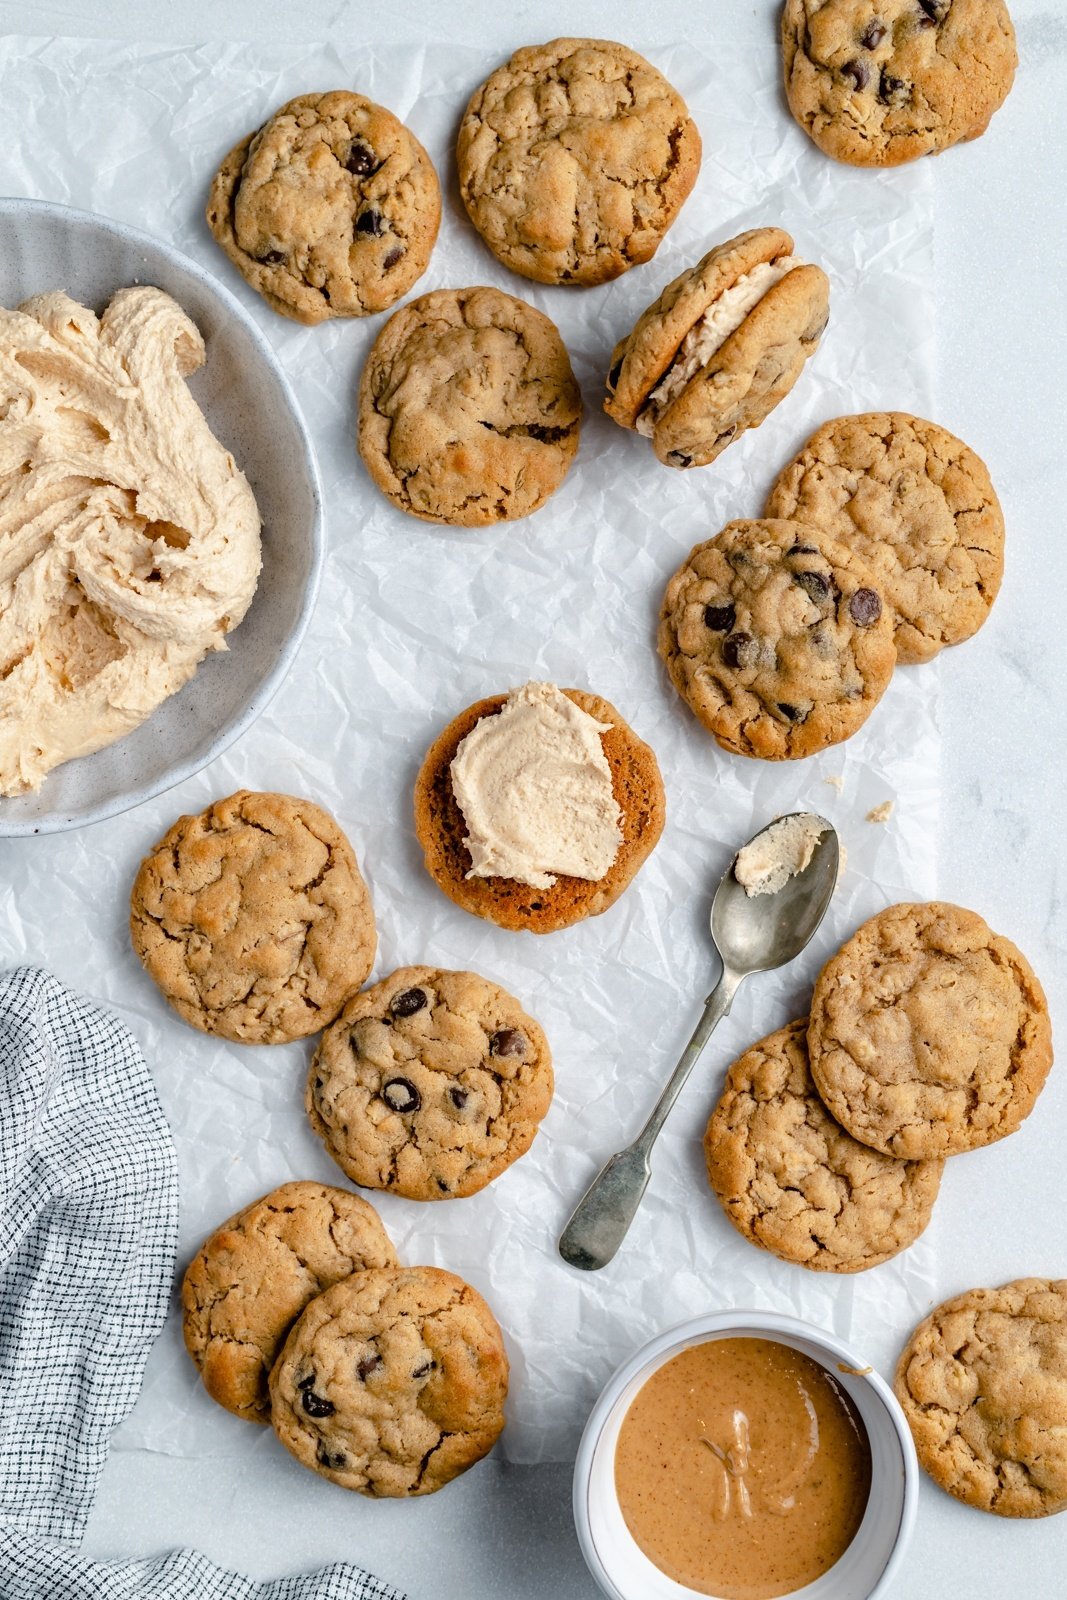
{"x": 723, "y": 344}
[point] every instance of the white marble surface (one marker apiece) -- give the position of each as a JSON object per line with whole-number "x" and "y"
{"x": 1001, "y": 246}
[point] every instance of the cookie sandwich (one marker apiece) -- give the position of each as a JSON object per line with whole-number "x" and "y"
{"x": 574, "y": 159}
{"x": 469, "y": 413}
{"x": 719, "y": 348}
{"x": 429, "y": 1084}
{"x": 330, "y": 209}
{"x": 536, "y": 808}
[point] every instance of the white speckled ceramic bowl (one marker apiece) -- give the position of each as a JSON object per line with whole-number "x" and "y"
{"x": 868, "y": 1566}
{"x": 246, "y": 398}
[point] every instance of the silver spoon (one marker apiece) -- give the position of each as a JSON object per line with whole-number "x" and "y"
{"x": 751, "y": 934}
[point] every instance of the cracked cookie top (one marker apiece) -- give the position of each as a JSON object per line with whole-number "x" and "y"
{"x": 574, "y": 159}
{"x": 392, "y": 1382}
{"x": 777, "y": 639}
{"x": 983, "y": 1384}
{"x": 253, "y": 918}
{"x": 879, "y": 82}
{"x": 330, "y": 209}
{"x": 929, "y": 1033}
{"x": 794, "y": 1182}
{"x": 918, "y": 507}
{"x": 249, "y": 1282}
{"x": 429, "y": 1084}
{"x": 469, "y": 412}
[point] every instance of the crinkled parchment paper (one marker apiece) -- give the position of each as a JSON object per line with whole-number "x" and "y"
{"x": 415, "y": 622}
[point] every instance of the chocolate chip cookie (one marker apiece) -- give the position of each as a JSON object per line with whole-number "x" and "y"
{"x": 330, "y": 209}
{"x": 442, "y": 830}
{"x": 929, "y": 1033}
{"x": 429, "y": 1084}
{"x": 574, "y": 159}
{"x": 250, "y": 1281}
{"x": 777, "y": 639}
{"x": 878, "y": 82}
{"x": 468, "y": 409}
{"x": 392, "y": 1382}
{"x": 983, "y": 1384}
{"x": 794, "y": 1182}
{"x": 917, "y": 506}
{"x": 722, "y": 345}
{"x": 253, "y": 918}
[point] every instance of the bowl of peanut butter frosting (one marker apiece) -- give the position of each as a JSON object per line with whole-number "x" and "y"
{"x": 160, "y": 518}
{"x": 745, "y": 1456}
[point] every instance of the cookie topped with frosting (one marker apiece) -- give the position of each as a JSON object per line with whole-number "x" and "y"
{"x": 536, "y": 808}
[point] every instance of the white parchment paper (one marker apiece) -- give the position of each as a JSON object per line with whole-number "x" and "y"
{"x": 415, "y": 622}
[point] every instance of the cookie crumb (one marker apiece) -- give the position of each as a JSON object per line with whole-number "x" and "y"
{"x": 836, "y": 781}
{"x": 881, "y": 813}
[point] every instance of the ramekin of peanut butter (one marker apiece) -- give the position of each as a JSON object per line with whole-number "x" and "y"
{"x": 745, "y": 1456}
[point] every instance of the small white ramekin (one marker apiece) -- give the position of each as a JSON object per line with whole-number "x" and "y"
{"x": 867, "y": 1567}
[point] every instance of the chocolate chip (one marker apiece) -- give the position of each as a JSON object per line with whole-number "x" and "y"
{"x": 458, "y": 1097}
{"x": 361, "y": 159}
{"x": 815, "y": 586}
{"x": 720, "y": 619}
{"x": 856, "y": 73}
{"x": 791, "y": 713}
{"x": 738, "y": 649}
{"x": 306, "y": 1383}
{"x": 424, "y": 1369}
{"x": 393, "y": 256}
{"x": 371, "y": 222}
{"x": 400, "y": 1094}
{"x": 893, "y": 91}
{"x": 676, "y": 458}
{"x": 508, "y": 1042}
{"x": 442, "y": 1185}
{"x": 936, "y": 11}
{"x": 872, "y": 35}
{"x": 333, "y": 1459}
{"x": 613, "y": 375}
{"x": 407, "y": 1002}
{"x": 316, "y": 1405}
{"x": 272, "y": 258}
{"x": 368, "y": 1365}
{"x": 865, "y": 607}
{"x": 802, "y": 550}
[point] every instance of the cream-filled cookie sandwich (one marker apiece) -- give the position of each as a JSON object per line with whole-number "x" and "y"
{"x": 129, "y": 539}
{"x": 536, "y": 808}
{"x": 723, "y": 344}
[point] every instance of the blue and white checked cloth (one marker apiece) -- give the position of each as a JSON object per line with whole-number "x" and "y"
{"x": 88, "y": 1235}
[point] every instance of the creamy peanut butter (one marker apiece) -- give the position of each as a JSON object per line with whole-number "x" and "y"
{"x": 709, "y": 333}
{"x": 534, "y": 786}
{"x": 129, "y": 539}
{"x": 778, "y": 853}
{"x": 742, "y": 1469}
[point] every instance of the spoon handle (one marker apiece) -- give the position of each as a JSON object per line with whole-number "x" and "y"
{"x": 601, "y": 1218}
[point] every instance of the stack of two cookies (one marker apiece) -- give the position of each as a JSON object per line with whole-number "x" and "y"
{"x": 928, "y": 1036}
{"x": 882, "y": 543}
{"x": 385, "y": 1379}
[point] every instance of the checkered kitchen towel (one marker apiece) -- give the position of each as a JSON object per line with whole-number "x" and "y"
{"x": 88, "y": 1234}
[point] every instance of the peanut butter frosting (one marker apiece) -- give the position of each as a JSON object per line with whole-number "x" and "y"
{"x": 768, "y": 861}
{"x": 710, "y": 332}
{"x": 534, "y": 786}
{"x": 129, "y": 538}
